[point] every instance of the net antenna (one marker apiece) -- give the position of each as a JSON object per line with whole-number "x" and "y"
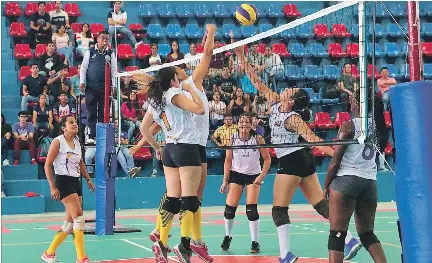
{"x": 363, "y": 71}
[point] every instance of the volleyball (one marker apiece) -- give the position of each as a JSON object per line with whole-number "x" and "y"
{"x": 246, "y": 14}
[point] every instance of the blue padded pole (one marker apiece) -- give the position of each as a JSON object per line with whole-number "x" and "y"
{"x": 106, "y": 167}
{"x": 411, "y": 105}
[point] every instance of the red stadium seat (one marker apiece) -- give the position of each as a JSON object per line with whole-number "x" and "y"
{"x": 321, "y": 31}
{"x": 125, "y": 51}
{"x": 200, "y": 49}
{"x": 261, "y": 48}
{"x": 136, "y": 27}
{"x": 323, "y": 121}
{"x": 372, "y": 68}
{"x": 132, "y": 68}
{"x": 387, "y": 119}
{"x": 96, "y": 28}
{"x": 280, "y": 49}
{"x": 272, "y": 152}
{"x": 31, "y": 8}
{"x": 72, "y": 9}
{"x": 143, "y": 154}
{"x": 290, "y": 10}
{"x": 17, "y": 29}
{"x": 339, "y": 30}
{"x": 40, "y": 50}
{"x": 336, "y": 50}
{"x": 12, "y": 9}
{"x": 49, "y": 6}
{"x": 24, "y": 72}
{"x": 388, "y": 149}
{"x": 311, "y": 126}
{"x": 23, "y": 51}
{"x": 352, "y": 50}
{"x": 76, "y": 27}
{"x": 141, "y": 98}
{"x": 317, "y": 152}
{"x": 354, "y": 71}
{"x": 72, "y": 72}
{"x": 427, "y": 48}
{"x": 143, "y": 50}
{"x": 341, "y": 117}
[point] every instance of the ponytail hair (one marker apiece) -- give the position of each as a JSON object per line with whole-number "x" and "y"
{"x": 159, "y": 86}
{"x": 301, "y": 106}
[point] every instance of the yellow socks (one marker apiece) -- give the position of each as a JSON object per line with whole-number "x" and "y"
{"x": 158, "y": 222}
{"x": 58, "y": 239}
{"x": 78, "y": 230}
{"x": 196, "y": 226}
{"x": 186, "y": 223}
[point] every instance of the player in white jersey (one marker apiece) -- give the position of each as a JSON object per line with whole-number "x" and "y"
{"x": 175, "y": 157}
{"x": 296, "y": 164}
{"x": 351, "y": 183}
{"x": 65, "y": 153}
{"x": 242, "y": 169}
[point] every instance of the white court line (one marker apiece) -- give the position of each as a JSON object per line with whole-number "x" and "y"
{"x": 145, "y": 248}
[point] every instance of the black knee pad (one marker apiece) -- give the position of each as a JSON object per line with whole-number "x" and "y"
{"x": 280, "y": 216}
{"x": 172, "y": 205}
{"x": 230, "y": 212}
{"x": 190, "y": 203}
{"x": 322, "y": 208}
{"x": 252, "y": 212}
{"x": 368, "y": 239}
{"x": 336, "y": 240}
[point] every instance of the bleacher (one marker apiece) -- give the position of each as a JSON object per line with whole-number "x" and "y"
{"x": 312, "y": 53}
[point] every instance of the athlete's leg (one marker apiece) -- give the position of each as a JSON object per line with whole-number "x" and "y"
{"x": 252, "y": 194}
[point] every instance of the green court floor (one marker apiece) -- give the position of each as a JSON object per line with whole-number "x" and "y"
{"x": 25, "y": 237}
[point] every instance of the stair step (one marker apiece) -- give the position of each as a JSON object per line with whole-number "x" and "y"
{"x": 21, "y": 187}
{"x": 11, "y": 101}
{"x": 9, "y": 78}
{"x": 8, "y": 64}
{"x": 20, "y": 172}
{"x": 11, "y": 115}
{"x": 22, "y": 205}
{"x": 24, "y": 157}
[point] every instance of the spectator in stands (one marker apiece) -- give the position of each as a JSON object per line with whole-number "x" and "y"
{"x": 42, "y": 114}
{"x": 50, "y": 62}
{"x": 92, "y": 80}
{"x": 6, "y": 135}
{"x": 85, "y": 39}
{"x": 153, "y": 58}
{"x": 257, "y": 61}
{"x": 62, "y": 110}
{"x": 117, "y": 20}
{"x": 175, "y": 54}
{"x": 261, "y": 107}
{"x": 63, "y": 44}
{"x": 157, "y": 164}
{"x": 193, "y": 64}
{"x": 217, "y": 109}
{"x": 33, "y": 85}
{"x": 256, "y": 125}
{"x": 384, "y": 84}
{"x": 23, "y": 132}
{"x": 59, "y": 17}
{"x": 75, "y": 90}
{"x": 217, "y": 62}
{"x": 239, "y": 104}
{"x": 59, "y": 83}
{"x": 40, "y": 26}
{"x": 3, "y": 194}
{"x": 132, "y": 113}
{"x": 223, "y": 134}
{"x": 347, "y": 83}
{"x": 274, "y": 67}
{"x": 226, "y": 85}
{"x": 127, "y": 85}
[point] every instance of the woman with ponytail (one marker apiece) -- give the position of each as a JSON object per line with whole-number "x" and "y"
{"x": 289, "y": 114}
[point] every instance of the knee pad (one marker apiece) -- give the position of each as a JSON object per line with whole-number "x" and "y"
{"x": 230, "y": 212}
{"x": 367, "y": 239}
{"x": 190, "y": 203}
{"x": 322, "y": 208}
{"x": 172, "y": 205}
{"x": 280, "y": 216}
{"x": 336, "y": 240}
{"x": 67, "y": 227}
{"x": 79, "y": 223}
{"x": 252, "y": 212}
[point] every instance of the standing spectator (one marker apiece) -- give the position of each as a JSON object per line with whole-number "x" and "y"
{"x": 274, "y": 67}
{"x": 226, "y": 85}
{"x": 92, "y": 80}
{"x": 33, "y": 86}
{"x": 384, "y": 84}
{"x": 59, "y": 83}
{"x": 257, "y": 61}
{"x": 224, "y": 133}
{"x": 50, "y": 62}
{"x": 239, "y": 104}
{"x": 62, "y": 110}
{"x": 59, "y": 17}
{"x": 175, "y": 54}
{"x": 42, "y": 115}
{"x": 6, "y": 136}
{"x": 85, "y": 39}
{"x": 153, "y": 58}
{"x": 23, "y": 132}
{"x": 194, "y": 63}
{"x": 117, "y": 21}
{"x": 132, "y": 113}
{"x": 40, "y": 26}
{"x": 347, "y": 83}
{"x": 217, "y": 109}
{"x": 63, "y": 44}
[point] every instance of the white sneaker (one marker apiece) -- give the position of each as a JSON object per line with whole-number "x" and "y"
{"x": 90, "y": 141}
{"x": 3, "y": 194}
{"x": 48, "y": 258}
{"x": 137, "y": 44}
{"x": 6, "y": 162}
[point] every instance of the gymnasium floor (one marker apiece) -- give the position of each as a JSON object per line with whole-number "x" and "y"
{"x": 25, "y": 237}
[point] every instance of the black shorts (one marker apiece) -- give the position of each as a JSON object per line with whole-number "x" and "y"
{"x": 203, "y": 154}
{"x": 68, "y": 185}
{"x": 299, "y": 163}
{"x": 180, "y": 155}
{"x": 241, "y": 179}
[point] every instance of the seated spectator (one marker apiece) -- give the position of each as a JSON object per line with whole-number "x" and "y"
{"x": 75, "y": 90}
{"x": 132, "y": 113}
{"x": 127, "y": 85}
{"x": 3, "y": 194}
{"x": 257, "y": 61}
{"x": 42, "y": 115}
{"x": 217, "y": 62}
{"x": 347, "y": 84}
{"x": 62, "y": 110}
{"x": 223, "y": 134}
{"x": 33, "y": 86}
{"x": 59, "y": 17}
{"x": 50, "y": 62}
{"x": 384, "y": 84}
{"x": 190, "y": 67}
{"x": 117, "y": 20}
{"x": 153, "y": 58}
{"x": 157, "y": 164}
{"x": 217, "y": 109}
{"x": 226, "y": 85}
{"x": 175, "y": 54}
{"x": 64, "y": 45}
{"x": 40, "y": 26}
{"x": 274, "y": 67}
{"x": 59, "y": 83}
{"x": 6, "y": 135}
{"x": 261, "y": 107}
{"x": 85, "y": 40}
{"x": 23, "y": 132}
{"x": 239, "y": 104}
{"x": 256, "y": 125}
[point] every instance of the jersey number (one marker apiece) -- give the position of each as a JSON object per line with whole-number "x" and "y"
{"x": 368, "y": 152}
{"x": 165, "y": 120}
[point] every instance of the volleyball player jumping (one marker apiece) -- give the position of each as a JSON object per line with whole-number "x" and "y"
{"x": 351, "y": 184}
{"x": 242, "y": 169}
{"x": 65, "y": 154}
{"x": 296, "y": 164}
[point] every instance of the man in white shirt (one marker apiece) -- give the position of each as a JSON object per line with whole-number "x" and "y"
{"x": 117, "y": 21}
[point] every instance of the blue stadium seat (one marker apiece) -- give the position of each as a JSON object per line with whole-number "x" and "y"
{"x": 391, "y": 49}
{"x": 393, "y": 71}
{"x": 221, "y": 11}
{"x": 164, "y": 49}
{"x": 147, "y": 11}
{"x": 248, "y": 31}
{"x": 331, "y": 72}
{"x": 425, "y": 8}
{"x": 202, "y": 11}
{"x": 428, "y": 71}
{"x": 404, "y": 48}
{"x": 261, "y": 7}
{"x": 355, "y": 30}
{"x": 380, "y": 10}
{"x": 193, "y": 31}
{"x": 313, "y": 72}
{"x": 212, "y": 153}
{"x": 314, "y": 97}
{"x": 326, "y": 101}
{"x": 174, "y": 31}
{"x": 298, "y": 50}
{"x": 378, "y": 51}
{"x": 304, "y": 31}
{"x": 155, "y": 31}
{"x": 184, "y": 11}
{"x": 426, "y": 29}
{"x": 293, "y": 72}
{"x": 226, "y": 29}
{"x": 317, "y": 50}
{"x": 398, "y": 9}
{"x": 288, "y": 34}
{"x": 166, "y": 11}
{"x": 266, "y": 27}
{"x": 379, "y": 30}
{"x": 274, "y": 11}
{"x": 184, "y": 48}
{"x": 393, "y": 30}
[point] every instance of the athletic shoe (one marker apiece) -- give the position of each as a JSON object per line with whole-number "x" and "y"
{"x": 255, "y": 247}
{"x": 48, "y": 258}
{"x": 201, "y": 250}
{"x": 84, "y": 260}
{"x": 290, "y": 258}
{"x": 226, "y": 243}
{"x": 160, "y": 252}
{"x": 352, "y": 248}
{"x": 182, "y": 253}
{"x": 154, "y": 236}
